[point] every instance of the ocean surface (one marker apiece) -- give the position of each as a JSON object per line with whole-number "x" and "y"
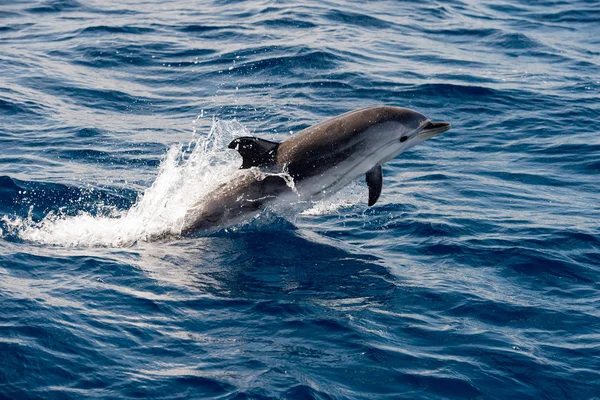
{"x": 476, "y": 275}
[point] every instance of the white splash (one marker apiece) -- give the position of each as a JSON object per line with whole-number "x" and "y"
{"x": 186, "y": 175}
{"x": 348, "y": 197}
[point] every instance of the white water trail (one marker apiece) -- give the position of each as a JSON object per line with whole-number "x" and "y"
{"x": 186, "y": 175}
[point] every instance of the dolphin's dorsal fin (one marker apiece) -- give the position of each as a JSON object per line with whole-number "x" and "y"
{"x": 256, "y": 152}
{"x": 374, "y": 180}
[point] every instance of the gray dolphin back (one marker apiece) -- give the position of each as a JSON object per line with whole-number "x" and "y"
{"x": 338, "y": 133}
{"x": 314, "y": 150}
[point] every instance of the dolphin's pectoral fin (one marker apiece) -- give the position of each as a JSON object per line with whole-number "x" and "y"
{"x": 374, "y": 180}
{"x": 255, "y": 152}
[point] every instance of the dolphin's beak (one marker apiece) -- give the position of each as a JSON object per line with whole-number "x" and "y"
{"x": 432, "y": 129}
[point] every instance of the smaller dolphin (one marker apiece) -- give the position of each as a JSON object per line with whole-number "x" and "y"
{"x": 320, "y": 160}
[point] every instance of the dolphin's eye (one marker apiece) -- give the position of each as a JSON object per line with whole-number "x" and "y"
{"x": 403, "y": 139}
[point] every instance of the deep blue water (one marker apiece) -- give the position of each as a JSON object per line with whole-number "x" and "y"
{"x": 474, "y": 276}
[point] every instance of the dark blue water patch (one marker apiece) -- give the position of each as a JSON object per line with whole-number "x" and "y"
{"x": 591, "y": 167}
{"x": 15, "y": 27}
{"x": 20, "y": 110}
{"x": 68, "y": 141}
{"x": 515, "y": 44}
{"x": 101, "y": 30}
{"x": 17, "y": 105}
{"x": 530, "y": 178}
{"x": 87, "y": 133}
{"x": 509, "y": 9}
{"x": 567, "y": 150}
{"x": 531, "y": 261}
{"x": 39, "y": 34}
{"x": 361, "y": 20}
{"x": 98, "y": 99}
{"x": 260, "y": 270}
{"x": 189, "y": 54}
{"x": 208, "y": 34}
{"x": 289, "y": 23}
{"x": 581, "y": 15}
{"x": 569, "y": 162}
{"x": 521, "y": 258}
{"x": 422, "y": 228}
{"x": 6, "y": 14}
{"x": 56, "y": 6}
{"x": 514, "y": 41}
{"x": 17, "y": 63}
{"x": 514, "y": 367}
{"x": 195, "y": 28}
{"x": 319, "y": 84}
{"x": 7, "y": 185}
{"x": 133, "y": 55}
{"x": 306, "y": 392}
{"x": 129, "y": 157}
{"x": 550, "y": 267}
{"x": 460, "y": 35}
{"x": 19, "y": 196}
{"x": 426, "y": 91}
{"x": 313, "y": 60}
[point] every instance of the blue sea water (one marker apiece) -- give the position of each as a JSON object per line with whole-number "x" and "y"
{"x": 474, "y": 276}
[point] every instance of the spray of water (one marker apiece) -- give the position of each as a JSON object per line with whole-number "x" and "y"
{"x": 186, "y": 175}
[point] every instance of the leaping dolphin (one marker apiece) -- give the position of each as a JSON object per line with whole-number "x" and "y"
{"x": 314, "y": 163}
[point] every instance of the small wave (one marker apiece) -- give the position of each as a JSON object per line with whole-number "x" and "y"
{"x": 364, "y": 21}
{"x": 56, "y": 6}
{"x": 13, "y": 108}
{"x": 106, "y": 29}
